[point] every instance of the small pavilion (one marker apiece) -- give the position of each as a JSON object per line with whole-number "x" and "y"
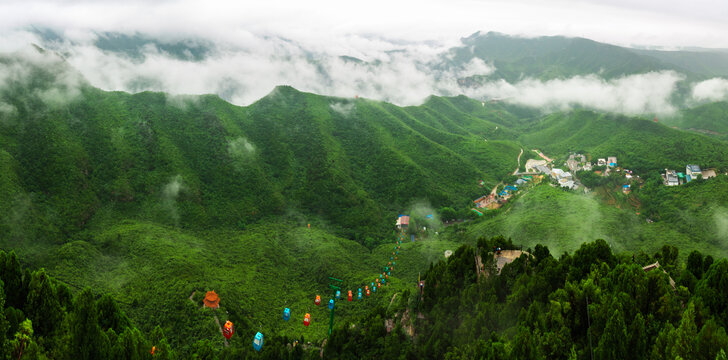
{"x": 211, "y": 300}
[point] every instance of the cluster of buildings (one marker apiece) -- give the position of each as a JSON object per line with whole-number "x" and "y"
{"x": 578, "y": 162}
{"x": 692, "y": 172}
{"x": 492, "y": 201}
{"x": 564, "y": 178}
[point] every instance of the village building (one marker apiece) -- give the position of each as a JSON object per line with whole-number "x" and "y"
{"x": 692, "y": 172}
{"x": 556, "y": 173}
{"x": 211, "y": 300}
{"x": 563, "y": 182}
{"x": 708, "y": 173}
{"x": 402, "y": 222}
{"x": 572, "y": 164}
{"x": 601, "y": 162}
{"x": 543, "y": 169}
{"x": 532, "y": 164}
{"x": 670, "y": 178}
{"x": 484, "y": 200}
{"x": 588, "y": 166}
{"x": 612, "y": 161}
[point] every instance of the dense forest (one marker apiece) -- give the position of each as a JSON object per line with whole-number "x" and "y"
{"x": 592, "y": 303}
{"x": 589, "y": 304}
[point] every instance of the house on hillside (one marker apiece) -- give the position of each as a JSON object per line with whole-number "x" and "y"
{"x": 612, "y": 161}
{"x": 692, "y": 172}
{"x": 708, "y": 173}
{"x": 556, "y": 173}
{"x": 484, "y": 200}
{"x": 563, "y": 182}
{"x": 670, "y": 178}
{"x": 402, "y": 222}
{"x": 543, "y": 169}
{"x": 601, "y": 162}
{"x": 588, "y": 166}
{"x": 572, "y": 164}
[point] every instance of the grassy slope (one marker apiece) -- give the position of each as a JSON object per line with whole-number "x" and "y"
{"x": 563, "y": 220}
{"x": 710, "y": 119}
{"x": 638, "y": 144}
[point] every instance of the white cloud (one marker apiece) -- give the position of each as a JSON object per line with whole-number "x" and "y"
{"x": 343, "y": 109}
{"x": 7, "y": 109}
{"x": 58, "y": 84}
{"x": 715, "y": 89}
{"x": 331, "y": 23}
{"x": 244, "y": 74}
{"x": 633, "y": 94}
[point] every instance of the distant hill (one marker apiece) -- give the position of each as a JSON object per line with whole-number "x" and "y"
{"x": 709, "y": 119}
{"x": 552, "y": 57}
{"x": 706, "y": 62}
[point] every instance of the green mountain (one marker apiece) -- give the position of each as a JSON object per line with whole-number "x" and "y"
{"x": 708, "y": 62}
{"x": 710, "y": 119}
{"x": 155, "y": 199}
{"x": 200, "y": 162}
{"x": 554, "y": 57}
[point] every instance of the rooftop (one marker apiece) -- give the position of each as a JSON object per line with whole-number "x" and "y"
{"x": 694, "y": 168}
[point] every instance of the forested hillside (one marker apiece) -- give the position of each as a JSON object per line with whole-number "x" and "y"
{"x": 591, "y": 303}
{"x": 198, "y": 162}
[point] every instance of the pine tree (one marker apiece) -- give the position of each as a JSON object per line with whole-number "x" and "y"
{"x": 87, "y": 341}
{"x": 42, "y": 305}
{"x": 613, "y": 343}
{"x": 684, "y": 338}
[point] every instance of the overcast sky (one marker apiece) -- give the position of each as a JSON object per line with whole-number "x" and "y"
{"x": 258, "y": 45}
{"x": 666, "y": 23}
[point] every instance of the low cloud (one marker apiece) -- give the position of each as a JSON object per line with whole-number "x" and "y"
{"x": 240, "y": 148}
{"x": 7, "y": 109}
{"x": 632, "y": 94}
{"x": 49, "y": 77}
{"x": 170, "y": 192}
{"x": 715, "y": 89}
{"x": 403, "y": 73}
{"x": 343, "y": 109}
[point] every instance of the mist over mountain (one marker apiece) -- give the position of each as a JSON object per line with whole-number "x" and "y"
{"x": 548, "y": 73}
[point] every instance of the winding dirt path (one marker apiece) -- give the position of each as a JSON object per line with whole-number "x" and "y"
{"x": 515, "y": 172}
